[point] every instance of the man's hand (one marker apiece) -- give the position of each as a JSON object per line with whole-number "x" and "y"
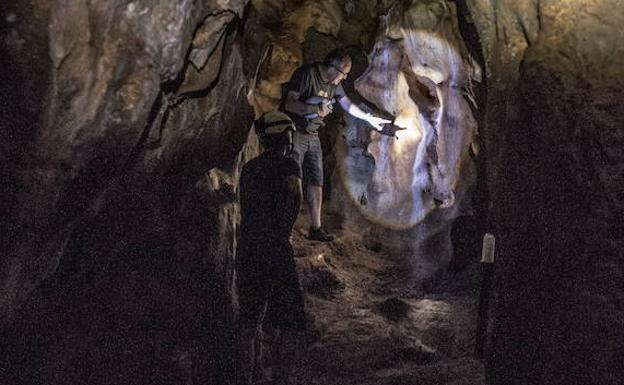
{"x": 325, "y": 108}
{"x": 357, "y": 112}
{"x": 377, "y": 122}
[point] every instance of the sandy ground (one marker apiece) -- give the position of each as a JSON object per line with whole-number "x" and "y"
{"x": 371, "y": 324}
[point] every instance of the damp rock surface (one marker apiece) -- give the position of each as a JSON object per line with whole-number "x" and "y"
{"x": 406, "y": 184}
{"x": 121, "y": 218}
{"x": 553, "y": 142}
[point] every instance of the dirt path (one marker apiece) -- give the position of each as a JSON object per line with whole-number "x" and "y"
{"x": 373, "y": 327}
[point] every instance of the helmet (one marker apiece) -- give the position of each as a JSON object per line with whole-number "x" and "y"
{"x": 273, "y": 129}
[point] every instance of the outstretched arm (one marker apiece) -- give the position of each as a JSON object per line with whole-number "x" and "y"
{"x": 357, "y": 112}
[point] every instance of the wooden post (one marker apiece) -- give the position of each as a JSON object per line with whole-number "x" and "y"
{"x": 487, "y": 270}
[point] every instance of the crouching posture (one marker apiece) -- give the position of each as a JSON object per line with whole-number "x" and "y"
{"x": 269, "y": 291}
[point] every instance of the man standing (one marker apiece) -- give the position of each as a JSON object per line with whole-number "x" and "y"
{"x": 307, "y": 99}
{"x": 268, "y": 287}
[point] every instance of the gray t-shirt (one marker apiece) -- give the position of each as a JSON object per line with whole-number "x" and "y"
{"x": 307, "y": 81}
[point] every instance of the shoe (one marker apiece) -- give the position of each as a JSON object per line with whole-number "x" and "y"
{"x": 319, "y": 235}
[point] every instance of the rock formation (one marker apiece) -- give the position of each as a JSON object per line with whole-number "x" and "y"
{"x": 124, "y": 124}
{"x": 421, "y": 75}
{"x": 118, "y": 118}
{"x": 553, "y": 144}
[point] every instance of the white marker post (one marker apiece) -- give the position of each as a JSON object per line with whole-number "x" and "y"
{"x": 487, "y": 253}
{"x": 487, "y": 270}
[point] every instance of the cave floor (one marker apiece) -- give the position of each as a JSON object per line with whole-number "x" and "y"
{"x": 371, "y": 324}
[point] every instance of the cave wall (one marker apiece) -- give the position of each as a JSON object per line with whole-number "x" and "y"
{"x": 122, "y": 125}
{"x": 553, "y": 143}
{"x": 122, "y": 129}
{"x": 406, "y": 187}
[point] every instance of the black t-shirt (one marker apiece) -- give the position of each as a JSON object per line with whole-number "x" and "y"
{"x": 307, "y": 81}
{"x": 268, "y": 207}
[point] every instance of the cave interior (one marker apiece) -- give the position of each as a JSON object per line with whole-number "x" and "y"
{"x": 125, "y": 125}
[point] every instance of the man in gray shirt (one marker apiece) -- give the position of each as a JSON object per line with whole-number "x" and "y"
{"x": 307, "y": 99}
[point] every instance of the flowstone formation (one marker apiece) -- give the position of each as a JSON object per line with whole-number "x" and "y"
{"x": 421, "y": 74}
{"x": 412, "y": 177}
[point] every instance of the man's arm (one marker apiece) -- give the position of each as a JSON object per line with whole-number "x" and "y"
{"x": 294, "y": 186}
{"x": 357, "y": 112}
{"x": 293, "y": 104}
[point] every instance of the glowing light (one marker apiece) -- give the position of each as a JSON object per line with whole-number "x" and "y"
{"x": 419, "y": 81}
{"x": 408, "y": 120}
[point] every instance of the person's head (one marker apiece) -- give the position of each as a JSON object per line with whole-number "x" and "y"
{"x": 275, "y": 131}
{"x": 338, "y": 65}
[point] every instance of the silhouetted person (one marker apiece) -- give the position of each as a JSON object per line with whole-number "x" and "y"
{"x": 269, "y": 291}
{"x": 308, "y": 98}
